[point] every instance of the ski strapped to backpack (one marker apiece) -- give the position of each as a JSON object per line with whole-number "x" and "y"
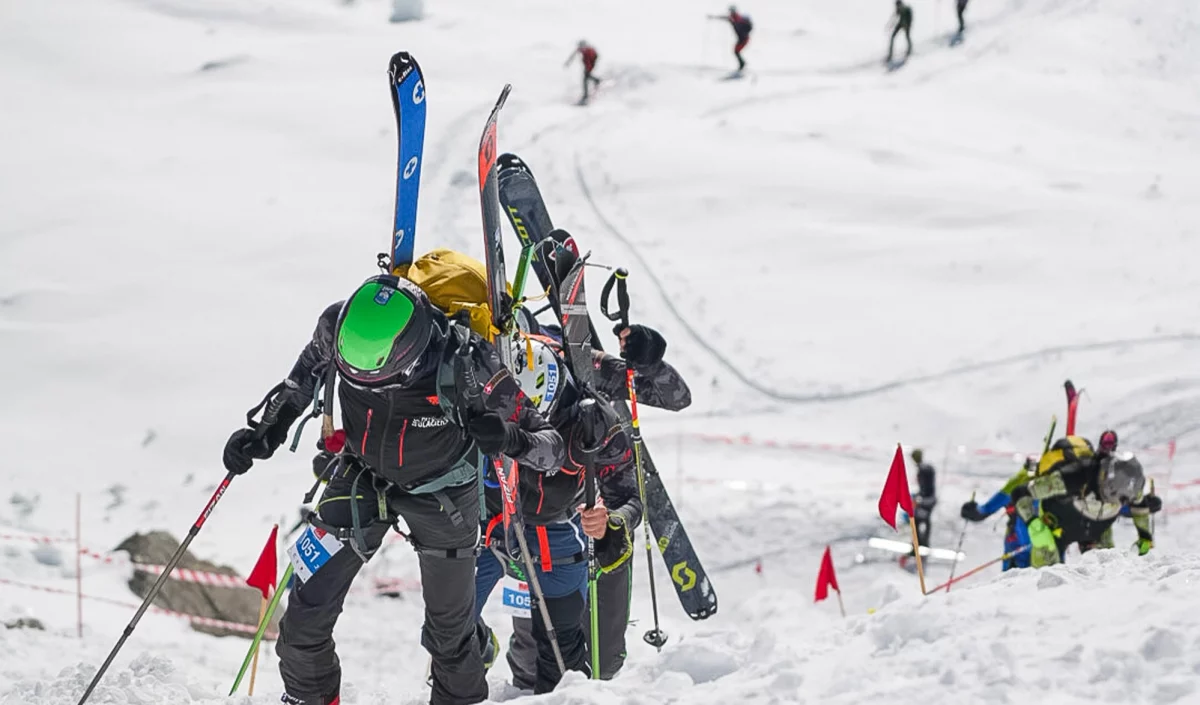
{"x": 532, "y": 223}
{"x": 407, "y": 87}
{"x": 503, "y": 321}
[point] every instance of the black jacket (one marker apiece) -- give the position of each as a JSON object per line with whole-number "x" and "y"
{"x": 404, "y": 433}
{"x": 547, "y": 497}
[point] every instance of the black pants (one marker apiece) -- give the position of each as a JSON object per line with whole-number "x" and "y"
{"x": 962, "y": 5}
{"x": 446, "y": 538}
{"x": 588, "y": 81}
{"x": 922, "y": 516}
{"x": 742, "y": 41}
{"x": 907, "y": 38}
{"x": 613, "y": 597}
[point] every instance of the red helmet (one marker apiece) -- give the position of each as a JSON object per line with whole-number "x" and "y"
{"x": 1108, "y": 441}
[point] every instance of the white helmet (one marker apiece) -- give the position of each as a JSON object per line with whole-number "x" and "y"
{"x": 539, "y": 374}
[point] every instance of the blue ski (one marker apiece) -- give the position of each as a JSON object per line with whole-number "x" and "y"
{"x": 408, "y": 99}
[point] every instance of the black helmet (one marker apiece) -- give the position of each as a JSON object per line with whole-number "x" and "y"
{"x": 1121, "y": 479}
{"x": 383, "y": 331}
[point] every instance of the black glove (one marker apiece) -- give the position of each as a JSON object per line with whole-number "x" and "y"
{"x": 970, "y": 511}
{"x": 495, "y": 436}
{"x": 1153, "y": 502}
{"x": 241, "y": 449}
{"x": 643, "y": 347}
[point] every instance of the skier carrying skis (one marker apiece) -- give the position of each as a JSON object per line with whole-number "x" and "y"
{"x": 587, "y": 54}
{"x": 1065, "y": 450}
{"x": 615, "y": 520}
{"x": 902, "y": 20}
{"x": 423, "y": 399}
{"x": 741, "y": 28}
{"x": 926, "y": 497}
{"x": 1076, "y": 497}
{"x": 554, "y": 517}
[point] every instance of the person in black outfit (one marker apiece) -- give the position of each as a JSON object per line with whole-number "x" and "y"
{"x": 962, "y": 6}
{"x": 742, "y": 27}
{"x": 926, "y": 497}
{"x": 902, "y": 20}
{"x": 660, "y": 385}
{"x": 423, "y": 400}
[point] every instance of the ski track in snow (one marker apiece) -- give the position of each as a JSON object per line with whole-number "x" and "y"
{"x": 771, "y": 392}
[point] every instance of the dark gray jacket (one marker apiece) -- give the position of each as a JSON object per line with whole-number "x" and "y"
{"x": 411, "y": 435}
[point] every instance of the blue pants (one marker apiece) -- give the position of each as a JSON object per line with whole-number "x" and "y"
{"x": 1018, "y": 537}
{"x": 563, "y": 583}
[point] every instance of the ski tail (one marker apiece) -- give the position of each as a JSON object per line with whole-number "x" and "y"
{"x": 1072, "y": 406}
{"x": 493, "y": 247}
{"x": 407, "y": 86}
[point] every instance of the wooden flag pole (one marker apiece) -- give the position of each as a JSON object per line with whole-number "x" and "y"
{"x": 912, "y": 523}
{"x": 262, "y": 612}
{"x": 840, "y": 605}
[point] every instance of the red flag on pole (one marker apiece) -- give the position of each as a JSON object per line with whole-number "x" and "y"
{"x": 826, "y": 578}
{"x": 265, "y": 570}
{"x": 895, "y": 491}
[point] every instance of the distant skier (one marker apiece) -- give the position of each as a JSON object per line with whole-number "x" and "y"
{"x": 588, "y": 54}
{"x": 926, "y": 497}
{"x": 962, "y": 6}
{"x": 902, "y": 20}
{"x": 741, "y": 28}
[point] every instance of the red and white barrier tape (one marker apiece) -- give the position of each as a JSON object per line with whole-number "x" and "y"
{"x": 35, "y": 539}
{"x": 188, "y": 575}
{"x": 845, "y": 448}
{"x": 207, "y": 621}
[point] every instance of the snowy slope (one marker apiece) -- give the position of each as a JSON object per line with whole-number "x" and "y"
{"x": 836, "y": 253}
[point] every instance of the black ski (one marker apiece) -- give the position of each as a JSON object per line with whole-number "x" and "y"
{"x": 527, "y": 212}
{"x": 502, "y": 320}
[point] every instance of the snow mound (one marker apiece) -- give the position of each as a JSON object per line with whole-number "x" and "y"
{"x": 148, "y": 680}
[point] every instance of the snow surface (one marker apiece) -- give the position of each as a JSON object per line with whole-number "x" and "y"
{"x": 836, "y": 253}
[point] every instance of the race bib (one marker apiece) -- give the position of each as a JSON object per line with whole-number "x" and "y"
{"x": 312, "y": 550}
{"x": 515, "y": 595}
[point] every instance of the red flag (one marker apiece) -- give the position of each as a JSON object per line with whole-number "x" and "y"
{"x": 826, "y": 578}
{"x": 265, "y": 570}
{"x": 895, "y": 492}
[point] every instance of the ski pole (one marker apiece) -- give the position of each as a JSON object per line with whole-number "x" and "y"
{"x": 270, "y": 416}
{"x": 958, "y": 549}
{"x": 655, "y": 637}
{"x": 973, "y": 571}
{"x": 262, "y": 628}
{"x": 593, "y": 572}
{"x": 162, "y": 578}
{"x": 535, "y": 585}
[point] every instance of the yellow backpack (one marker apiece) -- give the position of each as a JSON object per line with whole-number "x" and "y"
{"x": 453, "y": 282}
{"x": 1065, "y": 450}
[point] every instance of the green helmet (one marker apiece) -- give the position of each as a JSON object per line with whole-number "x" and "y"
{"x": 383, "y": 331}
{"x": 917, "y": 456}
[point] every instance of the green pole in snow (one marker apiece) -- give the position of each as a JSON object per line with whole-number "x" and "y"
{"x": 262, "y": 627}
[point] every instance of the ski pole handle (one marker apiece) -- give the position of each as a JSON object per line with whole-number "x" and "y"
{"x": 281, "y": 394}
{"x": 619, "y": 277}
